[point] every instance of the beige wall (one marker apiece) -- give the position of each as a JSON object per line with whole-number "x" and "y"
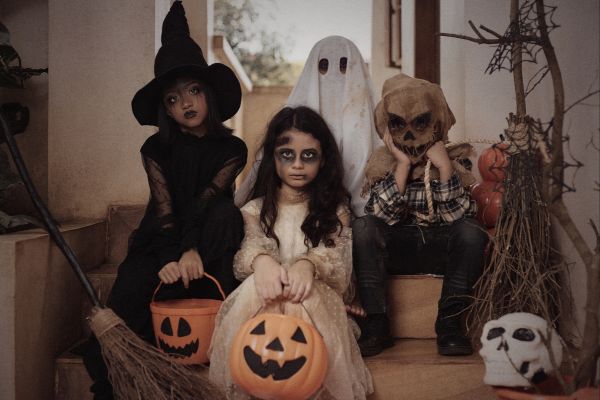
{"x": 27, "y": 21}
{"x": 101, "y": 53}
{"x": 481, "y": 102}
{"x": 260, "y": 106}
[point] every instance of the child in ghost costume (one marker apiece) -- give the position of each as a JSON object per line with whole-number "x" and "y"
{"x": 335, "y": 82}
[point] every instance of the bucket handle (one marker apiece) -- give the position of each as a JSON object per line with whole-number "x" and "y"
{"x": 303, "y": 306}
{"x": 209, "y": 276}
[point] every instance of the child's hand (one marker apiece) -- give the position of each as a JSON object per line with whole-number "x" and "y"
{"x": 190, "y": 267}
{"x": 169, "y": 273}
{"x": 401, "y": 157}
{"x": 269, "y": 278}
{"x": 439, "y": 158}
{"x": 301, "y": 276}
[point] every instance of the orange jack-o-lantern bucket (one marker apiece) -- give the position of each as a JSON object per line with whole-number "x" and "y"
{"x": 277, "y": 356}
{"x": 184, "y": 327}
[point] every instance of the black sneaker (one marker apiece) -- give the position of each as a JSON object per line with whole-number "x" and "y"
{"x": 373, "y": 345}
{"x": 454, "y": 344}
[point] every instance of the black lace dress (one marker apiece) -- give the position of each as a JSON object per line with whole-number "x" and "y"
{"x": 191, "y": 206}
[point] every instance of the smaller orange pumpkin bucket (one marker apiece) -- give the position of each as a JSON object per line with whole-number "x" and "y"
{"x": 184, "y": 327}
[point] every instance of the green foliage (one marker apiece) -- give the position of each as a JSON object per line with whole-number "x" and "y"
{"x": 261, "y": 52}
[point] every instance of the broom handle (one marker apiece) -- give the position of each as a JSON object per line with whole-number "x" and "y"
{"x": 45, "y": 213}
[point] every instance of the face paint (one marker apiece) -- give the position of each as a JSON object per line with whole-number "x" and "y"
{"x": 297, "y": 159}
{"x": 185, "y": 102}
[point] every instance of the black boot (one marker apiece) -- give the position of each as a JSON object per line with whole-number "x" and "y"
{"x": 376, "y": 335}
{"x": 451, "y": 341}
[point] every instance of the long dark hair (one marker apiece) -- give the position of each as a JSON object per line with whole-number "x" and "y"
{"x": 326, "y": 192}
{"x": 168, "y": 128}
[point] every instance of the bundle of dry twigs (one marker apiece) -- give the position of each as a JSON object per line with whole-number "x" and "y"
{"x": 518, "y": 276}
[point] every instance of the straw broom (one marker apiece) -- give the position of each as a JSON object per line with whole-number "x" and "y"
{"x": 137, "y": 370}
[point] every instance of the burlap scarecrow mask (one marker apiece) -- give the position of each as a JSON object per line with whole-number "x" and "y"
{"x": 416, "y": 114}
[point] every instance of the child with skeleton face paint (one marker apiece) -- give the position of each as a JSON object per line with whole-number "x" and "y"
{"x": 335, "y": 82}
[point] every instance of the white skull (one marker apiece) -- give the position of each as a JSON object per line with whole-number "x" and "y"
{"x": 517, "y": 337}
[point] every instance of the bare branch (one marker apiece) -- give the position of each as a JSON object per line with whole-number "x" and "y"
{"x": 582, "y": 99}
{"x": 488, "y": 30}
{"x": 472, "y": 39}
{"x": 479, "y": 35}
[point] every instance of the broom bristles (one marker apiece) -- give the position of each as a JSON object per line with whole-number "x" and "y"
{"x": 139, "y": 371}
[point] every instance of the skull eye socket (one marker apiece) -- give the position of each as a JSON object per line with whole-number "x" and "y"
{"x": 343, "y": 64}
{"x": 421, "y": 122}
{"x": 396, "y": 123}
{"x": 323, "y": 66}
{"x": 494, "y": 333}
{"x": 524, "y": 335}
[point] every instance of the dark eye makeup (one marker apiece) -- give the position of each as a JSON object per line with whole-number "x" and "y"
{"x": 289, "y": 155}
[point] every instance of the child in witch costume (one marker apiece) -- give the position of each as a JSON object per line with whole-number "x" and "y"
{"x": 191, "y": 224}
{"x": 296, "y": 257}
{"x": 408, "y": 230}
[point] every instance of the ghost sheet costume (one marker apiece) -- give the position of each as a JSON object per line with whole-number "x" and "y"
{"x": 344, "y": 97}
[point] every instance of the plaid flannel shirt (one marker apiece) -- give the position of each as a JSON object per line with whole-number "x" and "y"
{"x": 451, "y": 201}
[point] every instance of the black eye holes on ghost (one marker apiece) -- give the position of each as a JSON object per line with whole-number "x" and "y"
{"x": 324, "y": 65}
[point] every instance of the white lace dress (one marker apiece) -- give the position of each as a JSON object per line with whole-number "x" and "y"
{"x": 347, "y": 376}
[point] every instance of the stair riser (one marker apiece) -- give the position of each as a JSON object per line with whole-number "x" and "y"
{"x": 413, "y": 305}
{"x": 426, "y": 382}
{"x": 122, "y": 220}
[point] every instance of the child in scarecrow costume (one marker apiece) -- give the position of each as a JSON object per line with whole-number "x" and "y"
{"x": 191, "y": 224}
{"x": 418, "y": 221}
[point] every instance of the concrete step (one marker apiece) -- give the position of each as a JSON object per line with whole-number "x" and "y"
{"x": 122, "y": 220}
{"x": 413, "y": 305}
{"x": 40, "y": 304}
{"x": 72, "y": 381}
{"x": 412, "y": 370}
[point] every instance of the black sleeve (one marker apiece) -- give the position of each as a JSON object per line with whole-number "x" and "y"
{"x": 233, "y": 161}
{"x": 165, "y": 239}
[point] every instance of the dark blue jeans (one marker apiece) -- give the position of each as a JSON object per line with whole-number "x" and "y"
{"x": 454, "y": 251}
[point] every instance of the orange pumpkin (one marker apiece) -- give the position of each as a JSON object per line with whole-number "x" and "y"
{"x": 278, "y": 357}
{"x": 488, "y": 196}
{"x": 492, "y": 163}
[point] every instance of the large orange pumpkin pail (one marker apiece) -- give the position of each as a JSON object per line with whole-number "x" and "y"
{"x": 277, "y": 356}
{"x": 184, "y": 327}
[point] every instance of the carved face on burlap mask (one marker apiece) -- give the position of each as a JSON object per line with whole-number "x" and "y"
{"x": 415, "y": 113}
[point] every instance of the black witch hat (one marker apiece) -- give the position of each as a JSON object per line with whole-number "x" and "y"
{"x": 178, "y": 54}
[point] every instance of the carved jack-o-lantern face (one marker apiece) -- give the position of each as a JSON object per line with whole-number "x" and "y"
{"x": 278, "y": 356}
{"x": 175, "y": 338}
